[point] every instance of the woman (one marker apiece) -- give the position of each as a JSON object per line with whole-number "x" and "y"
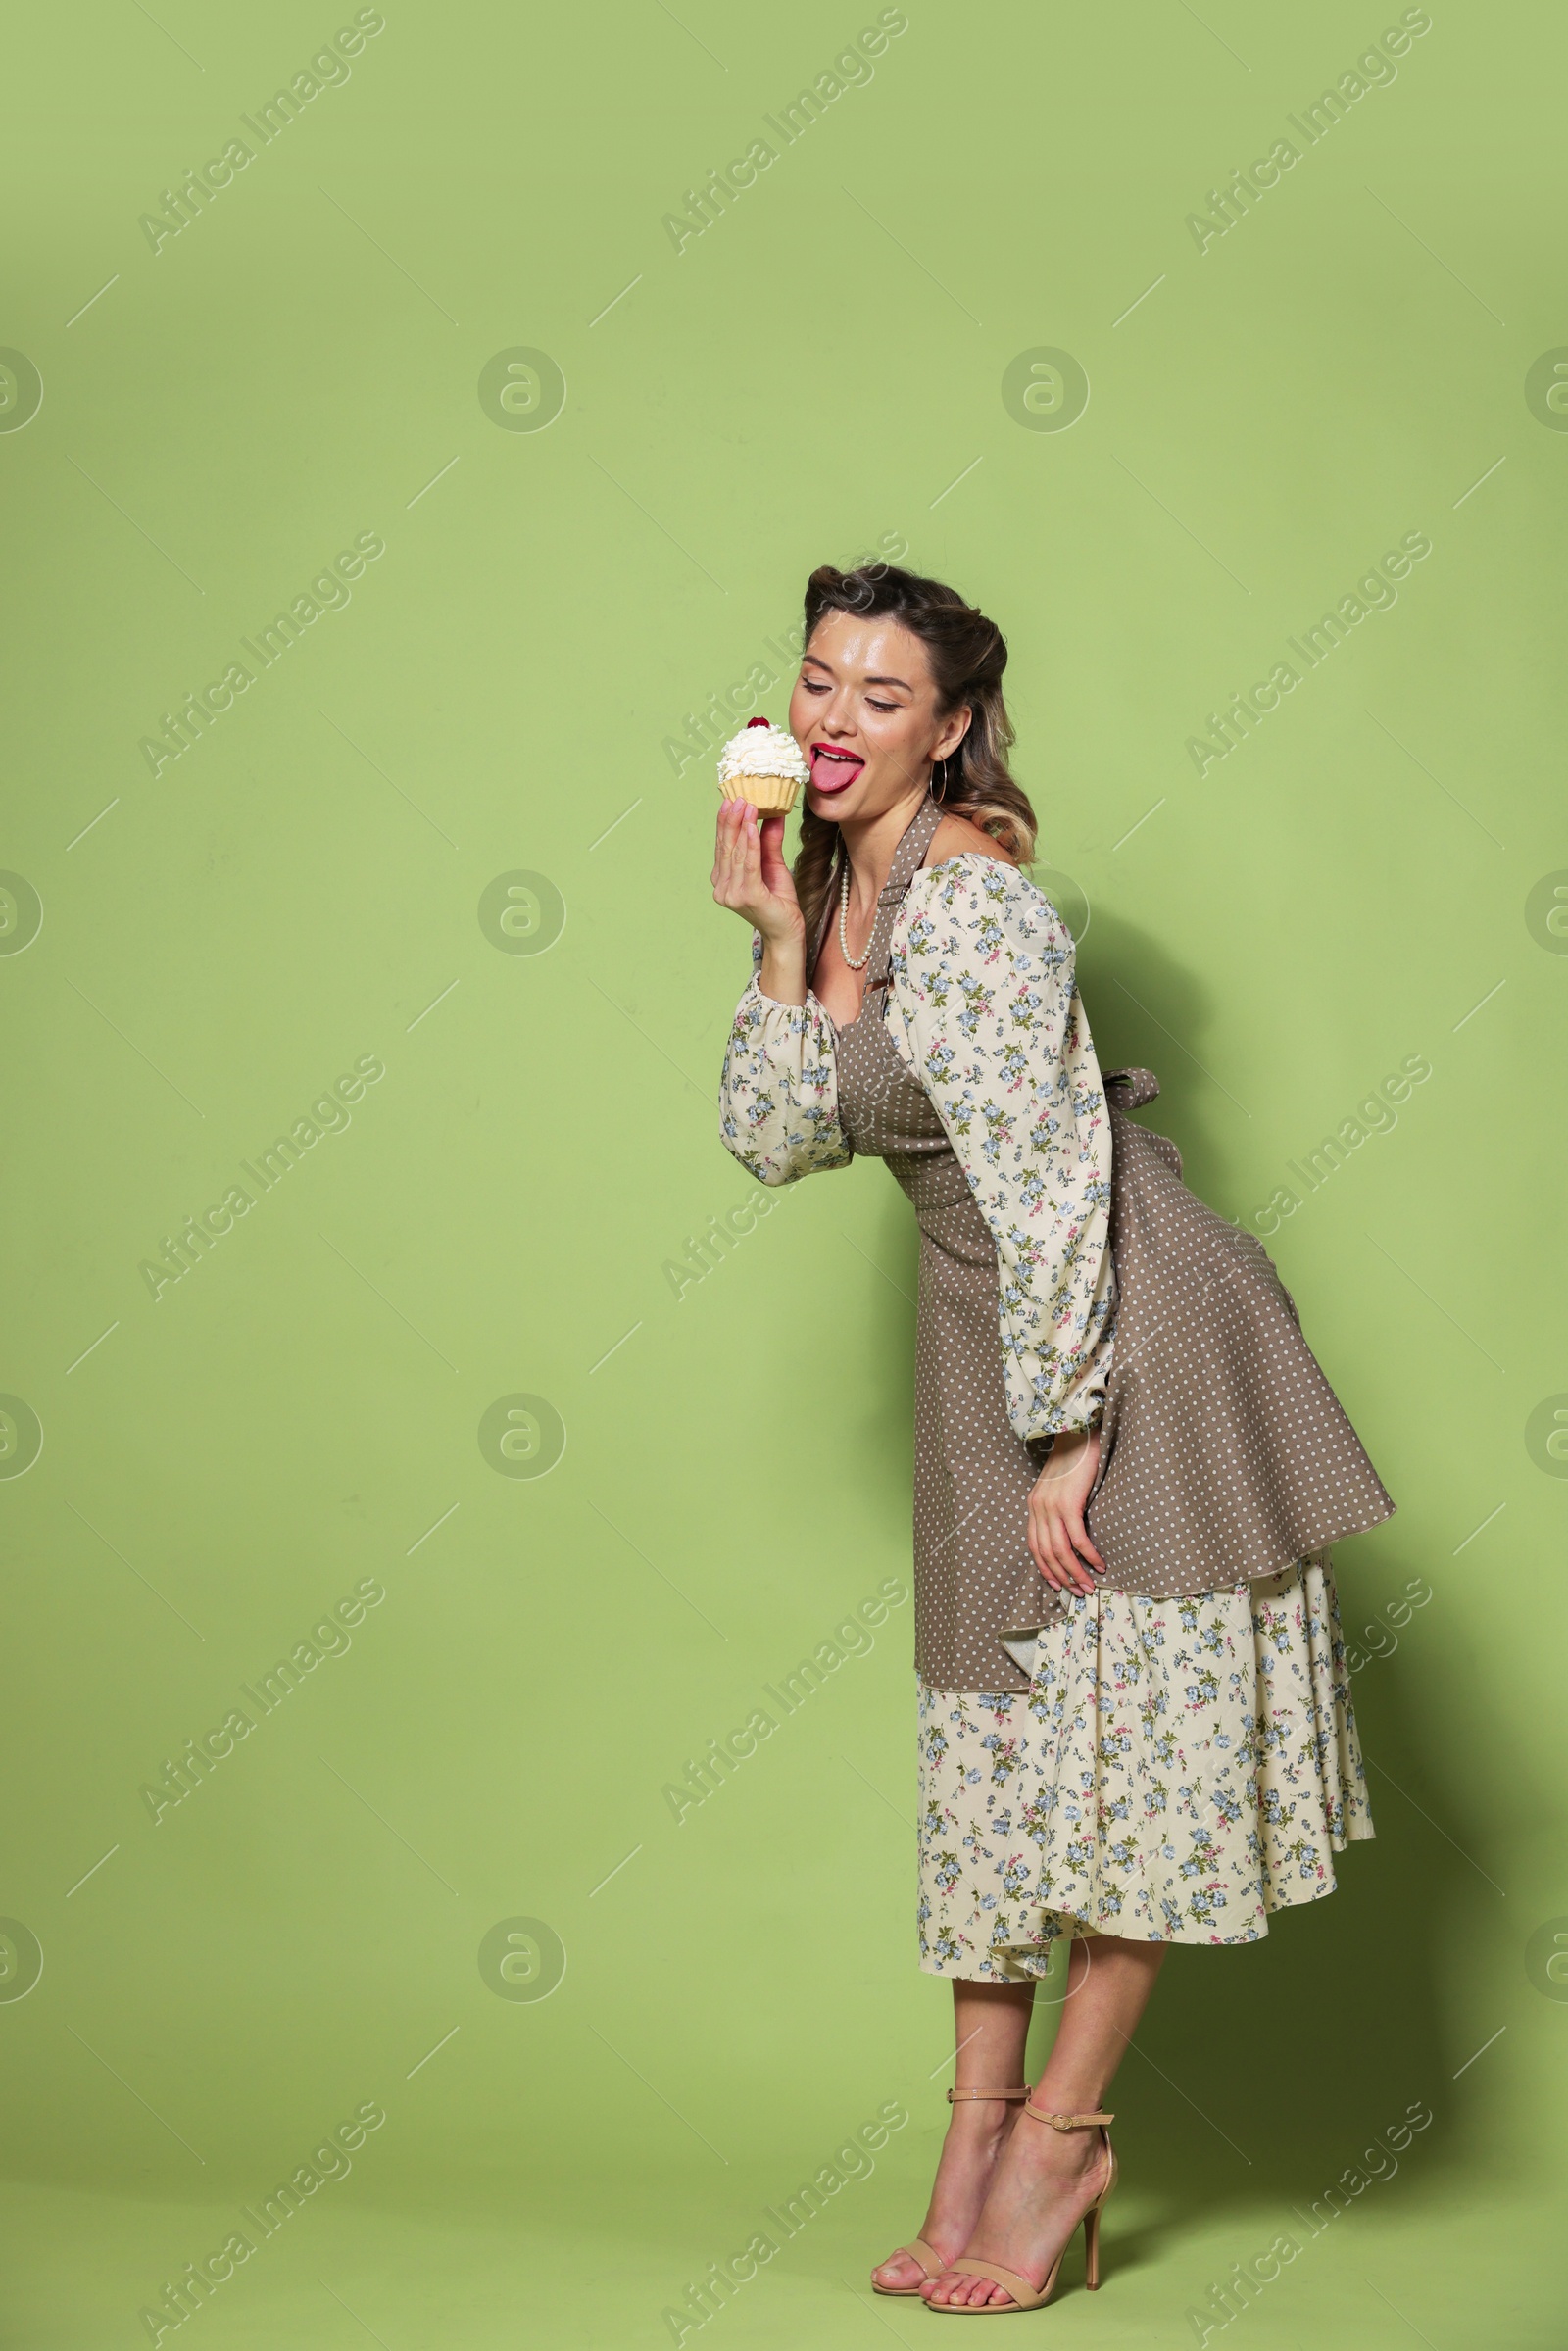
{"x": 1098, "y": 1762}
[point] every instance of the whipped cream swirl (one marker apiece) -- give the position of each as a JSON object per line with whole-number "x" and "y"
{"x": 762, "y": 750}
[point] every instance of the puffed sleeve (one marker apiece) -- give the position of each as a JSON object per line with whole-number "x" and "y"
{"x": 984, "y": 1011}
{"x": 778, "y": 1095}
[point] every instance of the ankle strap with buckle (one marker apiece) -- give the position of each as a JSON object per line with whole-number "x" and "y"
{"x": 1022, "y": 2091}
{"x": 1067, "y": 2121}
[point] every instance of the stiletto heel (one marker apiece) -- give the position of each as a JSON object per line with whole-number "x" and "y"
{"x": 1024, "y": 2296}
{"x": 1092, "y": 2223}
{"x": 927, "y": 2260}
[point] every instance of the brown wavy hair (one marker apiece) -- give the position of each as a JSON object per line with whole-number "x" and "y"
{"x": 968, "y": 654}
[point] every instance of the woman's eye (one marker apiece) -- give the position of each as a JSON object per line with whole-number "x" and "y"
{"x": 881, "y": 706}
{"x": 813, "y": 685}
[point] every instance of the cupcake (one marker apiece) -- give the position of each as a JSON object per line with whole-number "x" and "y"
{"x": 762, "y": 764}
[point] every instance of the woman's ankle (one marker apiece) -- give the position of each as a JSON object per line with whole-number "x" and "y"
{"x": 982, "y": 2121}
{"x": 1063, "y": 2155}
{"x": 1067, "y": 2097}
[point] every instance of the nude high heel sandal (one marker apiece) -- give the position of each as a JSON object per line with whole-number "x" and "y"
{"x": 1024, "y": 2296}
{"x": 925, "y": 2257}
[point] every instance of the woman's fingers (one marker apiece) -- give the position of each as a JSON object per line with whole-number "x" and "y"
{"x": 1075, "y": 1576}
{"x": 1079, "y": 1536}
{"x": 752, "y": 854}
{"x": 1037, "y": 1552}
{"x": 1045, "y": 1550}
{"x": 1061, "y": 1545}
{"x": 777, "y": 879}
{"x": 737, "y": 863}
{"x": 723, "y": 842}
{"x": 1075, "y": 1537}
{"x": 1067, "y": 1572}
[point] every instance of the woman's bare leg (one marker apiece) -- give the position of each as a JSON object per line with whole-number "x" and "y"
{"x": 1045, "y": 2181}
{"x": 991, "y": 2025}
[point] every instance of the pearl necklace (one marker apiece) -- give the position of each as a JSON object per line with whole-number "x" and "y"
{"x": 855, "y": 963}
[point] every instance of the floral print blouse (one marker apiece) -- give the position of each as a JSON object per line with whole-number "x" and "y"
{"x": 983, "y": 1011}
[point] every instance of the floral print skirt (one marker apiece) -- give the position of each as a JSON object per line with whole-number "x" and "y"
{"x": 1177, "y": 1770}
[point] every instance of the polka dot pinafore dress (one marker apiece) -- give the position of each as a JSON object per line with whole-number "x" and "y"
{"x": 1176, "y": 1769}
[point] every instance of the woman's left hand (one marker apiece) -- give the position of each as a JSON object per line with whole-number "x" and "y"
{"x": 1060, "y": 1543}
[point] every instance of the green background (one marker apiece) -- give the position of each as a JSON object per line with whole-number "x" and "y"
{"x": 1350, "y": 887}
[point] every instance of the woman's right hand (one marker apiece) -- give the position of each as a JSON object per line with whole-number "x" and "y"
{"x": 1059, "y": 1541}
{"x": 752, "y": 879}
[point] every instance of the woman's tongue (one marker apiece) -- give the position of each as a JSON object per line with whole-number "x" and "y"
{"x": 832, "y": 771}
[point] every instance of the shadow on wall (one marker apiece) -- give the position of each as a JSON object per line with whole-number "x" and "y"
{"x": 1140, "y": 1004}
{"x": 1269, "y": 2072}
{"x": 1313, "y": 2069}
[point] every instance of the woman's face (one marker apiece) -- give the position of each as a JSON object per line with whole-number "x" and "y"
{"x": 864, "y": 714}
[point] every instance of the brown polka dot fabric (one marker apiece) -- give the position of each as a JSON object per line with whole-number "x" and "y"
{"x": 972, "y": 1474}
{"x": 1225, "y": 1454}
